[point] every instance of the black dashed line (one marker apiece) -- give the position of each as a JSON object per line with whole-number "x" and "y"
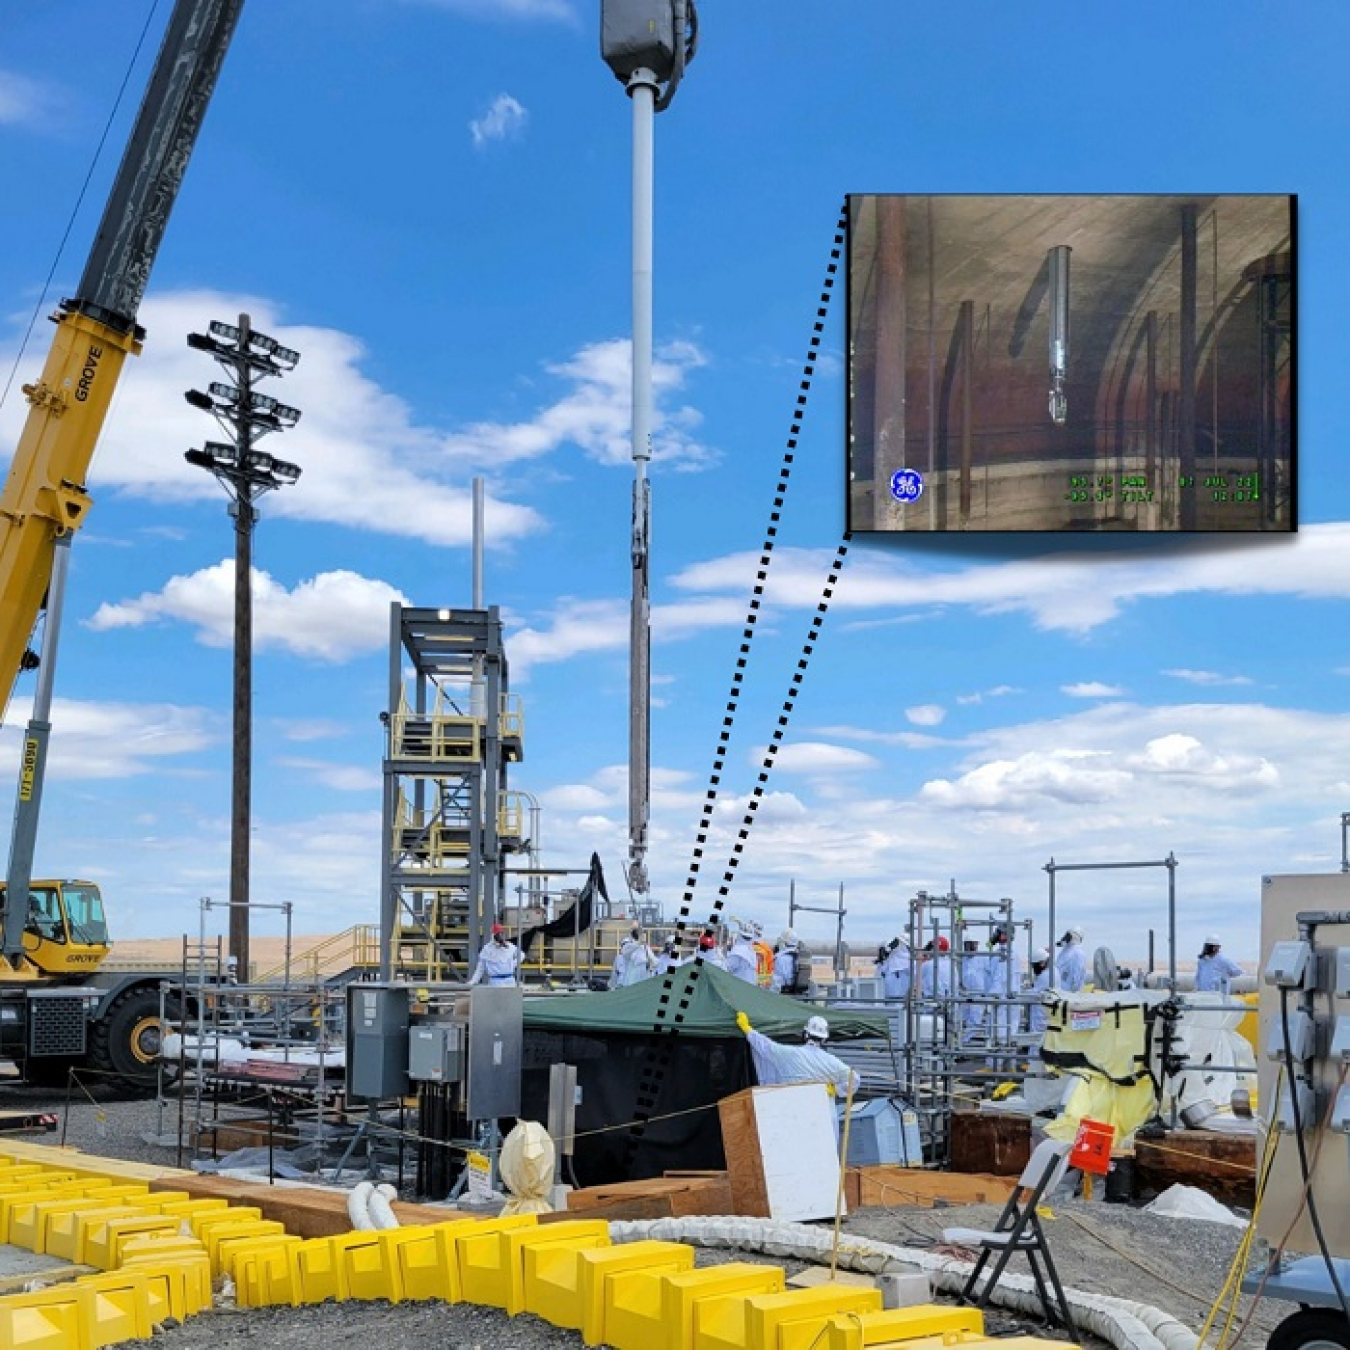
{"x": 653, "y": 1076}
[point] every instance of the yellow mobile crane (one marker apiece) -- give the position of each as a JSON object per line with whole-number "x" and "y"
{"x": 56, "y": 1007}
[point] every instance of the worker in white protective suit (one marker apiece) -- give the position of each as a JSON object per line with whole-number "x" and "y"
{"x": 1071, "y": 964}
{"x": 1215, "y": 972}
{"x": 709, "y": 952}
{"x": 974, "y": 979}
{"x": 809, "y": 1062}
{"x": 787, "y": 971}
{"x": 670, "y": 956}
{"x": 1003, "y": 980}
{"x": 935, "y": 976}
{"x": 635, "y": 962}
{"x": 895, "y": 965}
{"x": 742, "y": 962}
{"x": 1039, "y": 1014}
{"x": 498, "y": 962}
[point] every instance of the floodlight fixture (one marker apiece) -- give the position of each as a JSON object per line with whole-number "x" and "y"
{"x": 200, "y": 400}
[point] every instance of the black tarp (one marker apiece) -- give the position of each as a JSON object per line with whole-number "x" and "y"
{"x": 675, "y": 1081}
{"x": 576, "y": 918}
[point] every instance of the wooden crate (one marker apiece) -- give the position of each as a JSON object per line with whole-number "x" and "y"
{"x": 1224, "y": 1165}
{"x": 994, "y": 1142}
{"x": 782, "y": 1150}
{"x": 888, "y": 1187}
{"x": 671, "y": 1196}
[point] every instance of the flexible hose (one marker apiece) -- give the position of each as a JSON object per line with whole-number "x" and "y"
{"x": 358, "y": 1207}
{"x": 380, "y": 1210}
{"x": 1127, "y": 1325}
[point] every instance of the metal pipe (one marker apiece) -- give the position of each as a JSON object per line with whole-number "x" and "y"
{"x": 888, "y": 393}
{"x": 1151, "y": 397}
{"x": 931, "y": 415}
{"x": 28, "y": 797}
{"x": 967, "y": 379}
{"x": 1187, "y": 357}
{"x": 1051, "y": 867}
{"x": 1058, "y": 263}
{"x": 642, "y": 89}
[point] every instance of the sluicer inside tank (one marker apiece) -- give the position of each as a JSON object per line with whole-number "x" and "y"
{"x": 1058, "y": 263}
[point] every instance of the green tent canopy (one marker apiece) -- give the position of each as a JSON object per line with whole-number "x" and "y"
{"x": 696, "y": 1000}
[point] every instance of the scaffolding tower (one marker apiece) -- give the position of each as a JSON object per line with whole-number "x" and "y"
{"x": 449, "y": 821}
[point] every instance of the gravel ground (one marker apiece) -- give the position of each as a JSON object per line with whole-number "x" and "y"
{"x": 1109, "y": 1249}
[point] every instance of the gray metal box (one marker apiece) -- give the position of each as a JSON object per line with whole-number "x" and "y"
{"x": 496, "y": 1033}
{"x": 436, "y": 1052}
{"x": 377, "y": 1040}
{"x": 636, "y": 34}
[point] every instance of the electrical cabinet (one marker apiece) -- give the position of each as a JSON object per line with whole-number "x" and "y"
{"x": 436, "y": 1052}
{"x": 1318, "y": 1047}
{"x": 377, "y": 1040}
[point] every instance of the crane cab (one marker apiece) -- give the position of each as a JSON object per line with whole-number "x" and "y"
{"x": 65, "y": 931}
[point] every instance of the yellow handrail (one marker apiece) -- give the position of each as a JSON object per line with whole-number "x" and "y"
{"x": 358, "y": 945}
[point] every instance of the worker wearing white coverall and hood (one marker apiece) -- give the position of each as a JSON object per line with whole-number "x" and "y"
{"x": 809, "y": 1062}
{"x": 1040, "y": 984}
{"x": 498, "y": 961}
{"x": 1071, "y": 964}
{"x": 742, "y": 961}
{"x": 1215, "y": 972}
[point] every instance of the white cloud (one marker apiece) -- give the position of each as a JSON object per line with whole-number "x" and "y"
{"x": 1091, "y": 689}
{"x": 908, "y": 740}
{"x": 366, "y": 463}
{"x": 504, "y": 120}
{"x": 998, "y": 691}
{"x": 333, "y": 617}
{"x": 340, "y": 777}
{"x": 1206, "y": 677}
{"x": 1050, "y": 590}
{"x": 817, "y": 757}
{"x": 113, "y": 740}
{"x": 1184, "y": 756}
{"x": 596, "y": 414}
{"x": 24, "y": 101}
{"x": 926, "y": 715}
{"x": 1064, "y": 776}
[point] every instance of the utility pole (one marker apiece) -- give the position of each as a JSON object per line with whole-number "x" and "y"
{"x": 245, "y": 473}
{"x": 647, "y": 44}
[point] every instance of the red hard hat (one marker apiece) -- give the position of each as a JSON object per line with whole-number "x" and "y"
{"x": 497, "y": 928}
{"x": 943, "y": 945}
{"x": 707, "y": 941}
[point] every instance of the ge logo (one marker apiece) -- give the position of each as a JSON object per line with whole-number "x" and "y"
{"x": 907, "y": 485}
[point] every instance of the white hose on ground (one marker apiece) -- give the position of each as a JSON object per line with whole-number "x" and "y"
{"x": 380, "y": 1210}
{"x": 358, "y": 1207}
{"x": 1127, "y": 1325}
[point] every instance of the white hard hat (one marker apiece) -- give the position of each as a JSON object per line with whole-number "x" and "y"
{"x": 787, "y": 938}
{"x": 1040, "y": 956}
{"x": 1213, "y": 940}
{"x": 817, "y": 1029}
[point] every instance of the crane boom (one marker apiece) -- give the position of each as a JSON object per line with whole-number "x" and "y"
{"x": 44, "y": 500}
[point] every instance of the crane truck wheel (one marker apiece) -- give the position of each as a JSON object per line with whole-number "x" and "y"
{"x": 124, "y": 1043}
{"x": 1312, "y": 1329}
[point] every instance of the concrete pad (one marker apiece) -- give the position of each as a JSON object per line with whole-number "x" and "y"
{"x": 18, "y": 1266}
{"x": 814, "y": 1276}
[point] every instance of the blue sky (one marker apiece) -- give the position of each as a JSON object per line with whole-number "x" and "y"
{"x": 429, "y": 199}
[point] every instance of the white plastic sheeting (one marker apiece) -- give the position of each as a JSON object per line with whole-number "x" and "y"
{"x": 527, "y": 1168}
{"x": 1127, "y": 1325}
{"x": 1220, "y": 1057}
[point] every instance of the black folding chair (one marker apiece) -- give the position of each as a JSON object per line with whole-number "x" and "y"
{"x": 1018, "y": 1229}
